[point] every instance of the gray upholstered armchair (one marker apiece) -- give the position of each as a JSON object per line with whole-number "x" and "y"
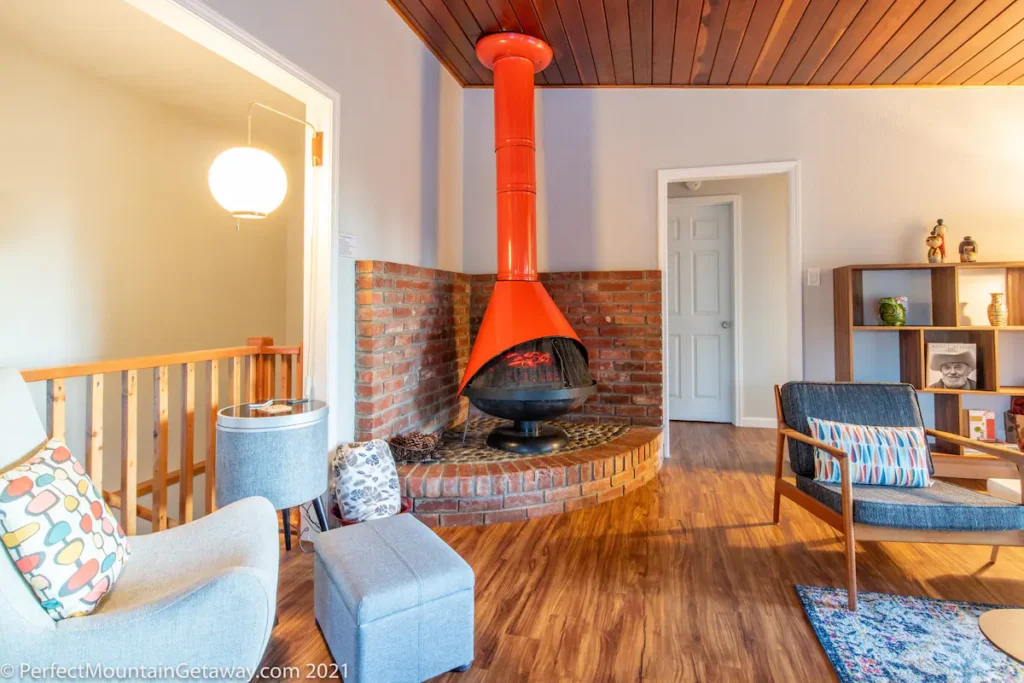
{"x": 202, "y": 594}
{"x": 943, "y": 513}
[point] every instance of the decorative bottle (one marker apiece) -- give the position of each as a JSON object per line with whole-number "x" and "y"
{"x": 968, "y": 250}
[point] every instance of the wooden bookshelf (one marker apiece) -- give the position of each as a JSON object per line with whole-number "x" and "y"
{"x": 945, "y": 326}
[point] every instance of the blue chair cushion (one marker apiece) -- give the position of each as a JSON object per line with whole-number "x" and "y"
{"x": 942, "y": 507}
{"x": 860, "y": 403}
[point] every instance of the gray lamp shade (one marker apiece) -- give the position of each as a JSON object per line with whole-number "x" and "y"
{"x": 280, "y": 457}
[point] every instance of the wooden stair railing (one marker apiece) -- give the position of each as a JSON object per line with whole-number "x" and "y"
{"x": 253, "y": 382}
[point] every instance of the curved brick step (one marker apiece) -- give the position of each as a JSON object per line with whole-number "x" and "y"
{"x": 530, "y": 487}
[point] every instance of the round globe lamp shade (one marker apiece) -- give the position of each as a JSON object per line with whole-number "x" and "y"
{"x": 248, "y": 182}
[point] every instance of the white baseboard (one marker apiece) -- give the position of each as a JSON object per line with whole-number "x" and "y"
{"x": 758, "y": 422}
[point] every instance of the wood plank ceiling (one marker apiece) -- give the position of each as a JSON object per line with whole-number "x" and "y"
{"x": 738, "y": 42}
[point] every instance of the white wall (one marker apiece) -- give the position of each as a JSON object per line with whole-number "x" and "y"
{"x": 764, "y": 225}
{"x": 400, "y": 139}
{"x": 878, "y": 167}
{"x": 400, "y": 114}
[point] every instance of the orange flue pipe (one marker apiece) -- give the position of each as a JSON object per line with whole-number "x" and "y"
{"x": 514, "y": 58}
{"x": 520, "y": 309}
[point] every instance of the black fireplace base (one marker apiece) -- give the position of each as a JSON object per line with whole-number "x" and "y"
{"x": 528, "y": 438}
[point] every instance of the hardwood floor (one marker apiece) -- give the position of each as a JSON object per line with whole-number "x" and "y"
{"x": 686, "y": 579}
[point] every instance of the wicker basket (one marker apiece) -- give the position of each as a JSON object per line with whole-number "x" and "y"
{"x": 414, "y": 446}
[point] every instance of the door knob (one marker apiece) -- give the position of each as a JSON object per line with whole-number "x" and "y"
{"x": 726, "y": 324}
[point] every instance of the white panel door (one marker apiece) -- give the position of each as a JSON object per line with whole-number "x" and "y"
{"x": 700, "y": 308}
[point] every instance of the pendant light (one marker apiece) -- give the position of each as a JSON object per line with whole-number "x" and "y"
{"x": 248, "y": 181}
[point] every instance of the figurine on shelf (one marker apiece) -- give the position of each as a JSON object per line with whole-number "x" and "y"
{"x": 968, "y": 250}
{"x": 940, "y": 231}
{"x": 933, "y": 241}
{"x": 892, "y": 311}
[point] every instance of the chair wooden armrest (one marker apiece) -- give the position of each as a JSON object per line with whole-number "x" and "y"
{"x": 1003, "y": 453}
{"x": 787, "y": 431}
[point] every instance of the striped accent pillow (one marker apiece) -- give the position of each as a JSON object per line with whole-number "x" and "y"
{"x": 885, "y": 456}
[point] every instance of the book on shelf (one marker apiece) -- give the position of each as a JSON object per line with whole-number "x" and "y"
{"x": 952, "y": 366}
{"x": 981, "y": 425}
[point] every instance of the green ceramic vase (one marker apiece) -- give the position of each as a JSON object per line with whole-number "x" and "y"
{"x": 891, "y": 312}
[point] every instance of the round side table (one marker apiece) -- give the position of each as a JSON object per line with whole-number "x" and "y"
{"x": 1005, "y": 629}
{"x": 278, "y": 454}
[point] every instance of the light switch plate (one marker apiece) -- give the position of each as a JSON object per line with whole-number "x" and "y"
{"x": 814, "y": 276}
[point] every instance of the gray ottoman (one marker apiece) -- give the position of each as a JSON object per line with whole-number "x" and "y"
{"x": 394, "y": 602}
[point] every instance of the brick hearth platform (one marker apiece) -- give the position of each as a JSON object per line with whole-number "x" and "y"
{"x": 527, "y": 487}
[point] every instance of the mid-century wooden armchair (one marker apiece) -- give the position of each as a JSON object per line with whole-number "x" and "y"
{"x": 942, "y": 513}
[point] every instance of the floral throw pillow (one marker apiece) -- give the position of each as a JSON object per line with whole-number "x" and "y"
{"x": 365, "y": 481}
{"x": 60, "y": 534}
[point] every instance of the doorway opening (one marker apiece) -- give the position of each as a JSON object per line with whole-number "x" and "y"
{"x": 729, "y": 245}
{"x": 323, "y": 327}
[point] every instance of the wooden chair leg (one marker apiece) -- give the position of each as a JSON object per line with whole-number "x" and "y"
{"x": 995, "y": 554}
{"x": 851, "y": 572}
{"x": 851, "y": 542}
{"x": 780, "y": 444}
{"x": 775, "y": 510}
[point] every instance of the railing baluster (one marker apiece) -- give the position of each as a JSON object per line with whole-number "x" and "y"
{"x": 160, "y": 441}
{"x": 286, "y": 376}
{"x": 188, "y": 441}
{"x": 213, "y": 375}
{"x": 94, "y": 428}
{"x": 236, "y": 381}
{"x": 55, "y": 424}
{"x": 252, "y": 370}
{"x": 129, "y": 449}
{"x": 268, "y": 377}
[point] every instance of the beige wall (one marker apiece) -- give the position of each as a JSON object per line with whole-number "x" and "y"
{"x": 877, "y": 168}
{"x": 763, "y": 223}
{"x": 111, "y": 244}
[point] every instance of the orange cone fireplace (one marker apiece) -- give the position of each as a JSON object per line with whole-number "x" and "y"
{"x": 527, "y": 363}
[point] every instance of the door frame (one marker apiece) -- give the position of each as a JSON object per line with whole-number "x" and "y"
{"x": 734, "y": 201}
{"x": 794, "y": 295}
{"x": 322, "y": 323}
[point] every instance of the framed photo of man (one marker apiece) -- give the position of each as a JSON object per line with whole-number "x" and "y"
{"x": 952, "y": 366}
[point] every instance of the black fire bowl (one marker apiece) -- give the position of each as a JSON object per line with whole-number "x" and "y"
{"x": 526, "y": 408}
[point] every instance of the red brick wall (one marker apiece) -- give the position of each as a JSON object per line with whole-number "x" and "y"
{"x": 527, "y": 488}
{"x": 617, "y": 315}
{"x": 412, "y": 344}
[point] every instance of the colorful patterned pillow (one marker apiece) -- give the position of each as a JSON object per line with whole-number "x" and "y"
{"x": 365, "y": 481}
{"x": 886, "y": 456}
{"x": 59, "y": 532}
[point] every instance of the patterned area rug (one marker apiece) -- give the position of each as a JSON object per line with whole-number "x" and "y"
{"x": 894, "y": 638}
